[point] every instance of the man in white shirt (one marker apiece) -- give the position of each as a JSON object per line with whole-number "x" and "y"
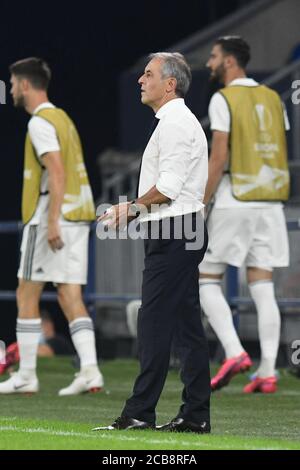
{"x": 55, "y": 238}
{"x": 242, "y": 231}
{"x": 171, "y": 188}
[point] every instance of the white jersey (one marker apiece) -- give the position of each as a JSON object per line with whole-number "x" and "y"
{"x": 44, "y": 139}
{"x": 219, "y": 116}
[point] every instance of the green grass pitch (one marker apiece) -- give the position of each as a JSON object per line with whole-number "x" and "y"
{"x": 46, "y": 421}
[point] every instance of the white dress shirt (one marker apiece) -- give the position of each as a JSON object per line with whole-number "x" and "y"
{"x": 220, "y": 120}
{"x": 175, "y": 161}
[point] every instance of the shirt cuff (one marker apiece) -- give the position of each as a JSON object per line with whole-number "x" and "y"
{"x": 169, "y": 185}
{"x": 47, "y": 150}
{"x": 220, "y": 128}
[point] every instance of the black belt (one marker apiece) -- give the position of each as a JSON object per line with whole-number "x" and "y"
{"x": 44, "y": 193}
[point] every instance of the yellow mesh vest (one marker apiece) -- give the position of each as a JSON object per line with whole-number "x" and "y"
{"x": 78, "y": 202}
{"x": 258, "y": 151}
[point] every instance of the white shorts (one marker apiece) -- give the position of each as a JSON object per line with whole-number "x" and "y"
{"x": 256, "y": 237}
{"x": 65, "y": 266}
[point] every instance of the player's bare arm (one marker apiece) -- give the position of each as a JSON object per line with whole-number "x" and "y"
{"x": 54, "y": 165}
{"x": 217, "y": 161}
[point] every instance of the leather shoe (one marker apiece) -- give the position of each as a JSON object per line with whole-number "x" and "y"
{"x": 182, "y": 425}
{"x": 124, "y": 422}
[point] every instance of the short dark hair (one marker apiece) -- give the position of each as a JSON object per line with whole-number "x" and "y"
{"x": 236, "y": 46}
{"x": 35, "y": 70}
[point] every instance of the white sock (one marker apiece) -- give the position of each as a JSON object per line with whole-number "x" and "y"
{"x": 262, "y": 293}
{"x": 28, "y": 336}
{"x": 219, "y": 316}
{"x": 83, "y": 337}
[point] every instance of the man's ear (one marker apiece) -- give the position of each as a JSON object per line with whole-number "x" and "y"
{"x": 230, "y": 61}
{"x": 171, "y": 84}
{"x": 24, "y": 84}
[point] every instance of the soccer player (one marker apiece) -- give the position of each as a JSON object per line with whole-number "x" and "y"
{"x": 249, "y": 178}
{"x": 57, "y": 208}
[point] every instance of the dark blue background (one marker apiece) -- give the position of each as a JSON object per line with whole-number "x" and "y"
{"x": 87, "y": 45}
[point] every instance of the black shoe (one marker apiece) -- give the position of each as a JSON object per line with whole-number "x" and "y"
{"x": 182, "y": 425}
{"x": 124, "y": 422}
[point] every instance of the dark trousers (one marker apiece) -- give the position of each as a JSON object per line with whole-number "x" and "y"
{"x": 171, "y": 310}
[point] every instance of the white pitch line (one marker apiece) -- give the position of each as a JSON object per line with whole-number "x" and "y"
{"x": 50, "y": 432}
{"x": 40, "y": 430}
{"x": 11, "y": 418}
{"x": 95, "y": 435}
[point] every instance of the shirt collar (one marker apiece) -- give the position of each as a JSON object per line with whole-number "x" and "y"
{"x": 169, "y": 107}
{"x": 243, "y": 81}
{"x": 45, "y": 105}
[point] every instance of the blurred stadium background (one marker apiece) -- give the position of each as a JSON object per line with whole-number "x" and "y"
{"x": 96, "y": 57}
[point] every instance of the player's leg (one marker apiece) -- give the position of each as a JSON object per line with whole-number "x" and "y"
{"x": 219, "y": 315}
{"x": 28, "y": 322}
{"x": 217, "y": 310}
{"x": 269, "y": 250}
{"x": 28, "y": 336}
{"x": 262, "y": 292}
{"x": 67, "y": 268}
{"x": 83, "y": 337}
{"x": 228, "y": 244}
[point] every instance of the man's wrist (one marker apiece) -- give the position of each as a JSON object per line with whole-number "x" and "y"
{"x": 134, "y": 209}
{"x": 53, "y": 220}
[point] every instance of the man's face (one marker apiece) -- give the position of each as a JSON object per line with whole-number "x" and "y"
{"x": 216, "y": 64}
{"x": 153, "y": 87}
{"x": 16, "y": 91}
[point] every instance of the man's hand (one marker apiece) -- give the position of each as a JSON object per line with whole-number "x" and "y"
{"x": 53, "y": 162}
{"x": 54, "y": 236}
{"x": 116, "y": 216}
{"x": 120, "y": 215}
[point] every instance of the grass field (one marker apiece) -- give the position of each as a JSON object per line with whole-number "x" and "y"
{"x": 46, "y": 421}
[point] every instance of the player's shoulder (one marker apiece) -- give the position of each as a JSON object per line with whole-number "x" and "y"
{"x": 37, "y": 123}
{"x": 271, "y": 91}
{"x": 217, "y": 103}
{"x": 217, "y": 98}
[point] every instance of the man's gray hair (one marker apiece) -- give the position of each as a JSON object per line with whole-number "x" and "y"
{"x": 174, "y": 65}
